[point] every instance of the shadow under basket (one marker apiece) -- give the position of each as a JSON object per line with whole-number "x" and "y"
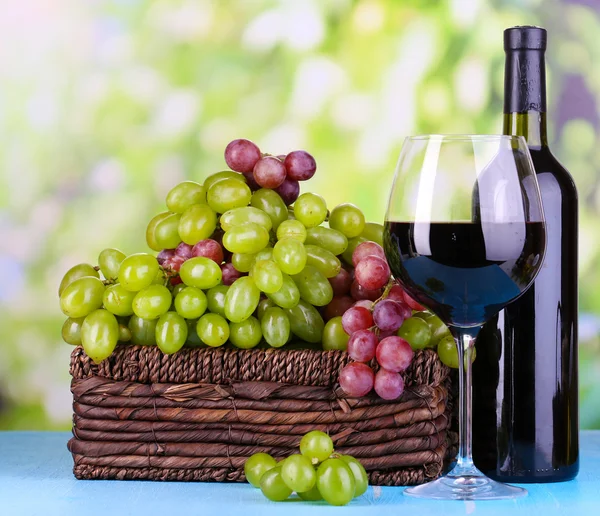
{"x": 199, "y": 414}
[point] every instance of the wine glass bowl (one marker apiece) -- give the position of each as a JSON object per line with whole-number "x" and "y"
{"x": 465, "y": 234}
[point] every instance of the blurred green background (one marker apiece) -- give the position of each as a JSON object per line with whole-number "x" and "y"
{"x": 106, "y": 105}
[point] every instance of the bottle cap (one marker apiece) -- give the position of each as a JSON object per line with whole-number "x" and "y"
{"x": 527, "y": 37}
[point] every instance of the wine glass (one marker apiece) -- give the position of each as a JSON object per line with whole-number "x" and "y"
{"x": 465, "y": 234}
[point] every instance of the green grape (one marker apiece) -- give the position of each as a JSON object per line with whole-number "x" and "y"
{"x": 438, "y": 329}
{"x": 124, "y": 333}
{"x": 267, "y": 276}
{"x": 184, "y": 195}
{"x": 247, "y": 239}
{"x": 264, "y": 254}
{"x": 246, "y": 334}
{"x": 197, "y": 223}
{"x": 353, "y": 243}
{"x": 306, "y": 322}
{"x": 166, "y": 233}
{"x": 227, "y": 194}
{"x": 159, "y": 279}
{"x": 298, "y": 473}
{"x": 200, "y": 272}
{"x": 138, "y": 271}
{"x": 256, "y": 466}
{"x": 290, "y": 255}
{"x": 263, "y": 306}
{"x": 448, "y": 352}
{"x": 325, "y": 261}
{"x": 310, "y": 209}
{"x": 316, "y": 446}
{"x": 272, "y": 204}
{"x": 273, "y": 486}
{"x": 348, "y": 219}
{"x": 213, "y": 330}
{"x": 109, "y": 262}
{"x": 373, "y": 232}
{"x": 275, "y": 326}
{"x": 151, "y": 231}
{"x": 313, "y": 286}
{"x": 312, "y": 495}
{"x": 219, "y": 176}
{"x": 291, "y": 229}
{"x": 118, "y": 300}
{"x": 171, "y": 332}
{"x": 239, "y": 216}
{"x": 151, "y": 302}
{"x": 288, "y": 295}
{"x": 215, "y": 299}
{"x": 241, "y": 299}
{"x": 99, "y": 335}
{"x": 82, "y": 297}
{"x": 177, "y": 289}
{"x": 242, "y": 262}
{"x": 78, "y": 271}
{"x": 416, "y": 332}
{"x": 143, "y": 332}
{"x": 361, "y": 479}
{"x": 334, "y": 336}
{"x": 331, "y": 239}
{"x": 191, "y": 302}
{"x": 193, "y": 341}
{"x": 335, "y": 481}
{"x": 71, "y": 331}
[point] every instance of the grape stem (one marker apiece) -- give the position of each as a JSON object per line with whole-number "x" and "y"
{"x": 385, "y": 294}
{"x": 96, "y": 268}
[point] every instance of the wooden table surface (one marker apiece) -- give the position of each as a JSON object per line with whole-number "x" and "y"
{"x": 36, "y": 479}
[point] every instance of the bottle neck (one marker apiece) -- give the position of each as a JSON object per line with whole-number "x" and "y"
{"x": 531, "y": 125}
{"x": 525, "y": 96}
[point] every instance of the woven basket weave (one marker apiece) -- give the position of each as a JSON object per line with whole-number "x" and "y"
{"x": 200, "y": 413}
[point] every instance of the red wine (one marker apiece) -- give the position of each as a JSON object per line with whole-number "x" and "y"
{"x": 465, "y": 272}
{"x": 525, "y": 404}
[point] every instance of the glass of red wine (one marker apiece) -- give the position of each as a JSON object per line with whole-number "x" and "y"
{"x": 465, "y": 235}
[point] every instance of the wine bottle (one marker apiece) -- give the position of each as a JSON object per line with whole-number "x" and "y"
{"x": 525, "y": 399}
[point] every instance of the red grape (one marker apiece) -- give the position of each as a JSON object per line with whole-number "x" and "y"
{"x": 388, "y": 385}
{"x": 230, "y": 274}
{"x": 365, "y": 303}
{"x": 388, "y": 315}
{"x": 365, "y": 249}
{"x": 394, "y": 354}
{"x": 372, "y": 272}
{"x": 269, "y": 172}
{"x": 176, "y": 280}
{"x": 184, "y": 250}
{"x": 241, "y": 155}
{"x": 358, "y": 292}
{"x": 338, "y": 306}
{"x": 362, "y": 345}
{"x": 383, "y": 334}
{"x": 175, "y": 262}
{"x": 300, "y": 165}
{"x": 412, "y": 303}
{"x": 341, "y": 283}
{"x": 356, "y": 318}
{"x": 251, "y": 182}
{"x": 209, "y": 248}
{"x": 165, "y": 255}
{"x": 396, "y": 293}
{"x": 407, "y": 312}
{"x": 356, "y": 379}
{"x": 289, "y": 191}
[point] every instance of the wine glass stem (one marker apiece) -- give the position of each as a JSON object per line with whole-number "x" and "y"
{"x": 465, "y": 342}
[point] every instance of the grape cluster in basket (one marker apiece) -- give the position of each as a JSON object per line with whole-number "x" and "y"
{"x": 245, "y": 260}
{"x": 316, "y": 473}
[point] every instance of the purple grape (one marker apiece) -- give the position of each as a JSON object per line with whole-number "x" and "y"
{"x": 165, "y": 255}
{"x": 269, "y": 172}
{"x": 341, "y": 283}
{"x": 184, "y": 250}
{"x": 388, "y": 315}
{"x": 230, "y": 274}
{"x": 241, "y": 155}
{"x": 251, "y": 182}
{"x": 357, "y": 379}
{"x": 209, "y": 248}
{"x": 300, "y": 165}
{"x": 289, "y": 191}
{"x": 356, "y": 318}
{"x": 394, "y": 354}
{"x": 362, "y": 345}
{"x": 388, "y": 385}
{"x": 358, "y": 292}
{"x": 337, "y": 307}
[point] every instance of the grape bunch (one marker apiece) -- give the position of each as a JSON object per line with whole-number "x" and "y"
{"x": 316, "y": 473}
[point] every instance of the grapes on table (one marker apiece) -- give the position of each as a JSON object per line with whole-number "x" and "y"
{"x": 256, "y": 466}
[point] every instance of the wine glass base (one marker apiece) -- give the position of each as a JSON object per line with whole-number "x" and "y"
{"x": 472, "y": 486}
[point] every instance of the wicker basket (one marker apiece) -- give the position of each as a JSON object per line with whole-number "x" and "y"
{"x": 199, "y": 414}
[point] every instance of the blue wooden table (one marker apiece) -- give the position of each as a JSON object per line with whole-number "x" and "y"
{"x": 36, "y": 479}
